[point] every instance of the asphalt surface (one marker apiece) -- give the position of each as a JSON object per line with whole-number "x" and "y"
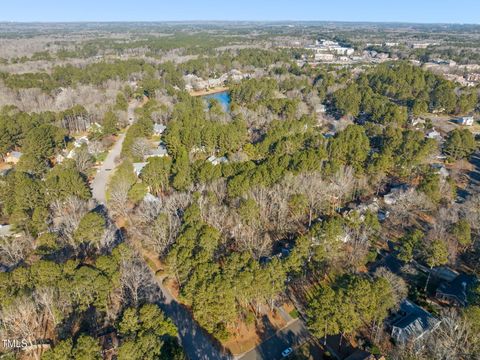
{"x": 292, "y": 336}
{"x": 474, "y": 175}
{"x": 197, "y": 344}
{"x": 99, "y": 183}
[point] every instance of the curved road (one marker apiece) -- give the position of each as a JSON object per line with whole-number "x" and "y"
{"x": 197, "y": 343}
{"x": 99, "y": 183}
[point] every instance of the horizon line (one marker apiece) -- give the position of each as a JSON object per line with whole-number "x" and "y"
{"x": 231, "y": 21}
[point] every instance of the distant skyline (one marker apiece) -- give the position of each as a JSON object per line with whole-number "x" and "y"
{"x": 412, "y": 11}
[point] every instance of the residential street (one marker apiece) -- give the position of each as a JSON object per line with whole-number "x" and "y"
{"x": 198, "y": 345}
{"x": 99, "y": 183}
{"x": 474, "y": 186}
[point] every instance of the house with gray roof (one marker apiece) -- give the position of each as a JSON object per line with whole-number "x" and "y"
{"x": 6, "y": 230}
{"x": 159, "y": 151}
{"x": 411, "y": 323}
{"x": 158, "y": 129}
{"x": 455, "y": 292}
{"x": 138, "y": 167}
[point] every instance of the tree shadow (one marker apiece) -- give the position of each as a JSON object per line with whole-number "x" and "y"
{"x": 196, "y": 342}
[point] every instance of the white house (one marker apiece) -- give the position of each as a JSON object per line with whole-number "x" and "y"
{"x": 13, "y": 157}
{"x": 158, "y": 129}
{"x": 466, "y": 120}
{"x": 138, "y": 167}
{"x": 160, "y": 151}
{"x": 6, "y": 230}
{"x": 216, "y": 161}
{"x": 80, "y": 141}
{"x": 434, "y": 134}
{"x": 321, "y": 108}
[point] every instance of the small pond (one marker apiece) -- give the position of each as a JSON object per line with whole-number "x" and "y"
{"x": 222, "y": 97}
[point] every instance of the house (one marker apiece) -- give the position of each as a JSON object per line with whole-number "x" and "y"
{"x": 95, "y": 128}
{"x": 13, "y": 157}
{"x": 329, "y": 134}
{"x": 160, "y": 151}
{"x": 321, "y": 108}
{"x": 395, "y": 194}
{"x": 59, "y": 158}
{"x": 5, "y": 230}
{"x": 80, "y": 141}
{"x": 216, "y": 161}
{"x": 411, "y": 322}
{"x": 466, "y": 120}
{"x": 360, "y": 354}
{"x": 158, "y": 129}
{"x": 417, "y": 121}
{"x": 138, "y": 167}
{"x": 441, "y": 170}
{"x": 149, "y": 198}
{"x": 455, "y": 292}
{"x": 433, "y": 134}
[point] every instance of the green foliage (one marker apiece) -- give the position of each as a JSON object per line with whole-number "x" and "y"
{"x": 143, "y": 127}
{"x": 430, "y": 185}
{"x": 409, "y": 244}
{"x": 61, "y": 351}
{"x": 156, "y": 174}
{"x": 64, "y": 181}
{"x": 351, "y": 301}
{"x": 145, "y": 331}
{"x": 460, "y": 144}
{"x": 436, "y": 253}
{"x": 462, "y": 232}
{"x": 350, "y": 147}
{"x": 347, "y": 100}
{"x": 190, "y": 129}
{"x": 253, "y": 92}
{"x": 110, "y": 123}
{"x": 23, "y": 199}
{"x": 90, "y": 229}
{"x": 87, "y": 348}
{"x": 121, "y": 102}
{"x": 137, "y": 192}
{"x": 38, "y": 146}
{"x": 181, "y": 170}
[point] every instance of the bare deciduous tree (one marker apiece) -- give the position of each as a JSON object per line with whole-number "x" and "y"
{"x": 66, "y": 216}
{"x": 398, "y": 285}
{"x": 141, "y": 148}
{"x": 14, "y": 249}
{"x": 137, "y": 280}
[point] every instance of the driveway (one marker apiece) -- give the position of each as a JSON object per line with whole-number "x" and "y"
{"x": 99, "y": 183}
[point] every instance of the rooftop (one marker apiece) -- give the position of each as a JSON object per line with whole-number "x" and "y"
{"x": 411, "y": 322}
{"x": 457, "y": 289}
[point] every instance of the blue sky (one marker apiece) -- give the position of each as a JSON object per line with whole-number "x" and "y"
{"x": 425, "y": 11}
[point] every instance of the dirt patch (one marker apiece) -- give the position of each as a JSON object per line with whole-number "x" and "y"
{"x": 208, "y": 91}
{"x": 4, "y": 166}
{"x": 248, "y": 336}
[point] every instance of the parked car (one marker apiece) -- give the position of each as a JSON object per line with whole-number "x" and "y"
{"x": 287, "y": 352}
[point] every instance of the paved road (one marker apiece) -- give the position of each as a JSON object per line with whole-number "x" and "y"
{"x": 474, "y": 185}
{"x": 293, "y": 335}
{"x": 197, "y": 344}
{"x": 99, "y": 183}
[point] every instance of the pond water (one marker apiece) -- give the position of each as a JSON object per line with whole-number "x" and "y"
{"x": 222, "y": 97}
